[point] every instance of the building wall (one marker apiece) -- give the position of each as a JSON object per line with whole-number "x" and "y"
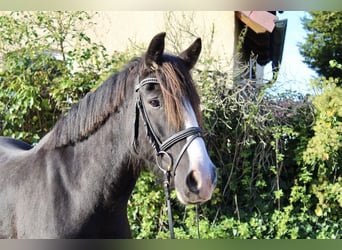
{"x": 120, "y": 30}
{"x": 117, "y": 30}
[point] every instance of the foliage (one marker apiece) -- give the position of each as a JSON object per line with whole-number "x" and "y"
{"x": 323, "y": 42}
{"x": 47, "y": 65}
{"x": 278, "y": 154}
{"x": 323, "y": 153}
{"x": 147, "y": 209}
{"x": 321, "y": 166}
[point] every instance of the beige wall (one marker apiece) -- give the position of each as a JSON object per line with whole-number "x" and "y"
{"x": 115, "y": 29}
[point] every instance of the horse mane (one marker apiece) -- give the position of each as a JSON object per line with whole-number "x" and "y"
{"x": 86, "y": 116}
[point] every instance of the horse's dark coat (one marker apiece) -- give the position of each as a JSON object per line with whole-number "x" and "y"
{"x": 16, "y": 144}
{"x": 76, "y": 182}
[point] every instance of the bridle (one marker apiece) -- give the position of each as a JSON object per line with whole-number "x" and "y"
{"x": 161, "y": 147}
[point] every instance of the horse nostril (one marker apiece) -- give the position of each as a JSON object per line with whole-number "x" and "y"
{"x": 192, "y": 183}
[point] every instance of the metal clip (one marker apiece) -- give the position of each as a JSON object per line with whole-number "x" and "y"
{"x": 159, "y": 159}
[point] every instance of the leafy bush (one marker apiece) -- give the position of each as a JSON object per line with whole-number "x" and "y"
{"x": 47, "y": 64}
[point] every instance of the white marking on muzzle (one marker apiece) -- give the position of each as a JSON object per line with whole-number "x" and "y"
{"x": 200, "y": 163}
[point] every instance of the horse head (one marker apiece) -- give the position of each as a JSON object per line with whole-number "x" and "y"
{"x": 168, "y": 109}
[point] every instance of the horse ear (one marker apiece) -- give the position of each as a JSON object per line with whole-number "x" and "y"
{"x": 191, "y": 54}
{"x": 155, "y": 51}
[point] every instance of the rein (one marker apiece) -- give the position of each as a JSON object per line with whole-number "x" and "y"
{"x": 189, "y": 134}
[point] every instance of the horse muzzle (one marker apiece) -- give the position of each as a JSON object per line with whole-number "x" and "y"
{"x": 198, "y": 185}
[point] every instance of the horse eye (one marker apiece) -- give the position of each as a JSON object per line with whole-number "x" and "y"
{"x": 154, "y": 103}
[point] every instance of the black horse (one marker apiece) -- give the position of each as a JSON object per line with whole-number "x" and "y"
{"x": 76, "y": 182}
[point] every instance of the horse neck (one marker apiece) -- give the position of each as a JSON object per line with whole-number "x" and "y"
{"x": 106, "y": 156}
{"x": 101, "y": 164}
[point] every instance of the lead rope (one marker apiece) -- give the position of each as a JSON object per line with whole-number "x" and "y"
{"x": 168, "y": 204}
{"x": 167, "y": 177}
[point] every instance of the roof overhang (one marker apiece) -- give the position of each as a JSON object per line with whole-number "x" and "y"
{"x": 258, "y": 21}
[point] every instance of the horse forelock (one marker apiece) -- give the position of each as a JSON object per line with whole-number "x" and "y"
{"x": 177, "y": 86}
